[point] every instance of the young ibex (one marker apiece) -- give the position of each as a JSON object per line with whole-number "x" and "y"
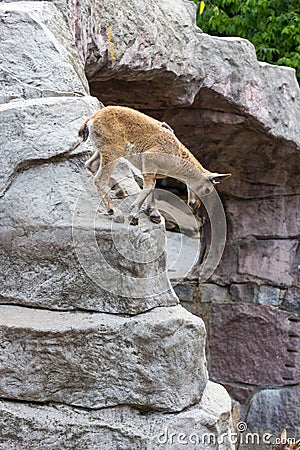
{"x": 118, "y": 131}
{"x": 285, "y": 443}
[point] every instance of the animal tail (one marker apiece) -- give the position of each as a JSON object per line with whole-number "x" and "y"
{"x": 84, "y": 131}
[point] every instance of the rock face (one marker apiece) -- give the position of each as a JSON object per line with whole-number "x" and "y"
{"x": 237, "y": 115}
{"x": 268, "y": 408}
{"x": 100, "y": 360}
{"x": 48, "y": 427}
{"x": 271, "y": 336}
{"x": 47, "y": 64}
{"x": 95, "y": 351}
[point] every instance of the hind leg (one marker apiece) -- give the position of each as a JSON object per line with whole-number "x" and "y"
{"x": 93, "y": 163}
{"x": 101, "y": 181}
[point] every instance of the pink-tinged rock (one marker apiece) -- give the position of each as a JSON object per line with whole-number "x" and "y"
{"x": 276, "y": 217}
{"x": 268, "y": 260}
{"x": 256, "y": 345}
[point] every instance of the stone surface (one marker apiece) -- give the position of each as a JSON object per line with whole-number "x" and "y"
{"x": 292, "y": 300}
{"x": 275, "y": 409}
{"x": 44, "y": 61}
{"x": 275, "y": 217}
{"x": 35, "y": 132}
{"x": 269, "y": 260}
{"x": 252, "y": 344}
{"x": 182, "y": 254}
{"x": 164, "y": 51}
{"x": 49, "y": 212}
{"x": 250, "y": 293}
{"x": 185, "y": 291}
{"x": 40, "y": 427}
{"x": 101, "y": 360}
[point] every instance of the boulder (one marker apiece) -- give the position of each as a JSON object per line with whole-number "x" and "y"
{"x": 265, "y": 342}
{"x": 249, "y": 293}
{"x": 49, "y": 212}
{"x": 100, "y": 360}
{"x": 88, "y": 378}
{"x": 275, "y": 409}
{"x": 43, "y": 130}
{"x": 44, "y": 61}
{"x": 160, "y": 58}
{"x": 292, "y": 300}
{"x": 37, "y": 427}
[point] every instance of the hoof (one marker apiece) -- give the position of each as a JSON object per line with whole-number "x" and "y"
{"x": 133, "y": 221}
{"x": 110, "y": 212}
{"x": 120, "y": 194}
{"x": 148, "y": 211}
{"x": 155, "y": 219}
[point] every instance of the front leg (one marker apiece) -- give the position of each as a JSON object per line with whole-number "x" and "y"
{"x": 149, "y": 184}
{"x": 151, "y": 209}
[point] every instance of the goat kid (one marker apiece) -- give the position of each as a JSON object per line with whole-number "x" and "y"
{"x": 151, "y": 146}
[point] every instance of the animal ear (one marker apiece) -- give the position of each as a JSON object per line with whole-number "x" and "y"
{"x": 216, "y": 178}
{"x": 283, "y": 436}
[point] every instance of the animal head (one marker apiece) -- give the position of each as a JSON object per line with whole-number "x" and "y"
{"x": 206, "y": 187}
{"x": 285, "y": 443}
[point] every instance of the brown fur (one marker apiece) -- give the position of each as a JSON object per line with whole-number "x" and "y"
{"x": 124, "y": 132}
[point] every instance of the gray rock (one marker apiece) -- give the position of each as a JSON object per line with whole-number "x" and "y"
{"x": 49, "y": 211}
{"x": 35, "y": 132}
{"x": 37, "y": 427}
{"x": 100, "y": 360}
{"x": 182, "y": 254}
{"x": 39, "y": 58}
{"x": 249, "y": 293}
{"x": 127, "y": 178}
{"x": 275, "y": 409}
{"x": 291, "y": 300}
{"x": 163, "y": 64}
{"x": 166, "y": 60}
{"x": 254, "y": 345}
{"x": 185, "y": 291}
{"x": 268, "y": 260}
{"x": 212, "y": 293}
{"x": 268, "y": 295}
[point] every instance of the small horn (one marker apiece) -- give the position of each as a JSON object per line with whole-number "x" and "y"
{"x": 283, "y": 436}
{"x": 216, "y": 178}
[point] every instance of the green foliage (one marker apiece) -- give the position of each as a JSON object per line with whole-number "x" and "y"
{"x": 273, "y": 26}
